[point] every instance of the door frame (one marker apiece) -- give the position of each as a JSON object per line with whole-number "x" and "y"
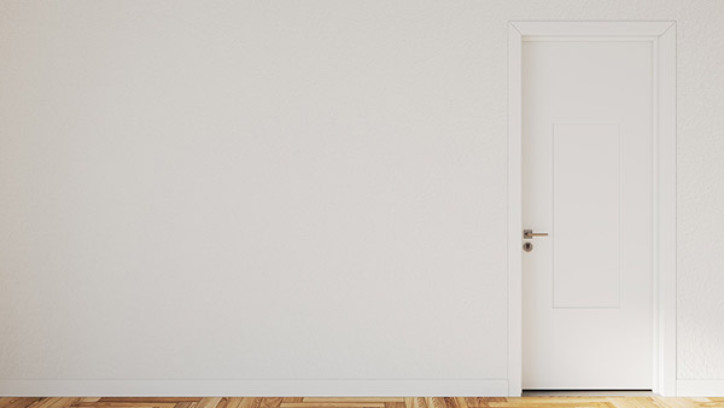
{"x": 663, "y": 36}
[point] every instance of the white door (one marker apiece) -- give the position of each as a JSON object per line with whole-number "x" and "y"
{"x": 587, "y": 183}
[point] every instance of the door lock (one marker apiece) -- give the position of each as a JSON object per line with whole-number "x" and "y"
{"x": 527, "y": 246}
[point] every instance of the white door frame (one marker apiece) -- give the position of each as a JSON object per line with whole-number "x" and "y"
{"x": 663, "y": 36}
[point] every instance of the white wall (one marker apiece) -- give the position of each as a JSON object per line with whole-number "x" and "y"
{"x": 293, "y": 197}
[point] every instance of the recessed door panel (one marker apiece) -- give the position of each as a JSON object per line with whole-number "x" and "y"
{"x": 586, "y": 161}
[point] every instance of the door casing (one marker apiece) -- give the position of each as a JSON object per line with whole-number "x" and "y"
{"x": 662, "y": 34}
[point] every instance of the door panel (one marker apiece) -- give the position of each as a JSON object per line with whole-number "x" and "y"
{"x": 586, "y": 160}
{"x": 587, "y": 181}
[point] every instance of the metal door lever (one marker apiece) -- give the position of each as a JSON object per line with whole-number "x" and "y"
{"x": 528, "y": 234}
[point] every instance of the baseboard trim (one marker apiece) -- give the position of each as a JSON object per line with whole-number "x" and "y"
{"x": 277, "y": 388}
{"x": 700, "y": 388}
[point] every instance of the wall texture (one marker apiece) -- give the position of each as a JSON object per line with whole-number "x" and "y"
{"x": 293, "y": 191}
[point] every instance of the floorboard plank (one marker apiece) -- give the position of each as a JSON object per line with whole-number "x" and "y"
{"x": 18, "y": 402}
{"x": 150, "y": 399}
{"x": 138, "y": 404}
{"x": 267, "y": 402}
{"x": 352, "y": 399}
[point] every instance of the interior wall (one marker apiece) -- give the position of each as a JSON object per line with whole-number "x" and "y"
{"x": 281, "y": 191}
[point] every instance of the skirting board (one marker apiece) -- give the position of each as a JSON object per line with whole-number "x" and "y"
{"x": 700, "y": 388}
{"x": 258, "y": 388}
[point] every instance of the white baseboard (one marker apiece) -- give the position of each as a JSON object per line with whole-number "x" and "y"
{"x": 238, "y": 388}
{"x": 700, "y": 388}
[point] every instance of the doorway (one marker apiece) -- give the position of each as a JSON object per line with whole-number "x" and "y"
{"x": 592, "y": 205}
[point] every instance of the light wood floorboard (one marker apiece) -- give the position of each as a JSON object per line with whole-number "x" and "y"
{"x": 367, "y": 402}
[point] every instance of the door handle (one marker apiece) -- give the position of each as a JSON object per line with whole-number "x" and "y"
{"x": 529, "y": 234}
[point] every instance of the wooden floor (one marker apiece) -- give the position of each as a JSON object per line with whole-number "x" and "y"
{"x": 420, "y": 402}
